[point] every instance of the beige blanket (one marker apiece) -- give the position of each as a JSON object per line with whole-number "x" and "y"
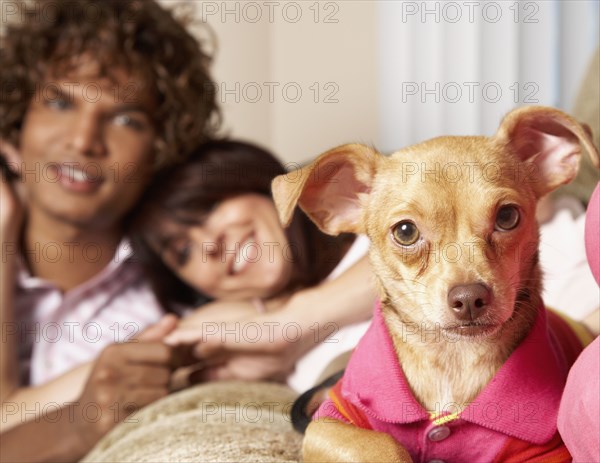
{"x": 215, "y": 422}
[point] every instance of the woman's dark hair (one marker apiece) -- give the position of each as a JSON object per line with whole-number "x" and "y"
{"x": 186, "y": 192}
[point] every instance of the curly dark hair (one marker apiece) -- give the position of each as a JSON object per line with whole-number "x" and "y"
{"x": 138, "y": 36}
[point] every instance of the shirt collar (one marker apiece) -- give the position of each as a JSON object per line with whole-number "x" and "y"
{"x": 26, "y": 280}
{"x": 521, "y": 400}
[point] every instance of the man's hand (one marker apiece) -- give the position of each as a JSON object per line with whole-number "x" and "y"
{"x": 11, "y": 217}
{"x": 11, "y": 207}
{"x": 125, "y": 378}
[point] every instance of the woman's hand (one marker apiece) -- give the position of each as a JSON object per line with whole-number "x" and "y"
{"x": 210, "y": 314}
{"x": 219, "y": 312}
{"x": 235, "y": 341}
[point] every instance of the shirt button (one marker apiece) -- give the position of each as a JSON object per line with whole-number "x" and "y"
{"x": 438, "y": 433}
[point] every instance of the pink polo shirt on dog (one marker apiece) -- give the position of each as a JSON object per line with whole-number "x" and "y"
{"x": 512, "y": 419}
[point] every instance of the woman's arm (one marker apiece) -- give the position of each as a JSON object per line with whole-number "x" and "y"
{"x": 345, "y": 300}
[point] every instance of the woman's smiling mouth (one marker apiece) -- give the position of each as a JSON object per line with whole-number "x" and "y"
{"x": 248, "y": 253}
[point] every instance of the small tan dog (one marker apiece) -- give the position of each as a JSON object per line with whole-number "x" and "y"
{"x": 455, "y": 253}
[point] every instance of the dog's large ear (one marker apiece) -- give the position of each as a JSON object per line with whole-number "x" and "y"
{"x": 550, "y": 140}
{"x": 330, "y": 189}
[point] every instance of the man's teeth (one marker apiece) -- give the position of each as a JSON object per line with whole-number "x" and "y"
{"x": 77, "y": 175}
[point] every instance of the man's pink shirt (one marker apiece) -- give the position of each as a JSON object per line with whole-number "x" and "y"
{"x": 57, "y": 331}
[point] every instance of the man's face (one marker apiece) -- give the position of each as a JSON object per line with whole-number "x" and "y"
{"x": 87, "y": 147}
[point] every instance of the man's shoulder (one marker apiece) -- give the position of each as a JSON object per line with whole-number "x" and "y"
{"x": 122, "y": 282}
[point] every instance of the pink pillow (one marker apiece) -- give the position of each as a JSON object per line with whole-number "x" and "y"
{"x": 579, "y": 413}
{"x": 578, "y": 416}
{"x": 592, "y": 233}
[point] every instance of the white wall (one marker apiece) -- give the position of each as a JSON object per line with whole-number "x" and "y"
{"x": 314, "y": 62}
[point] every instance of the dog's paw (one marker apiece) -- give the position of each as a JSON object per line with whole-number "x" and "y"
{"x": 328, "y": 440}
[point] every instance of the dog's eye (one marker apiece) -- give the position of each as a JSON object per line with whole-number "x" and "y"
{"x": 507, "y": 218}
{"x": 405, "y": 233}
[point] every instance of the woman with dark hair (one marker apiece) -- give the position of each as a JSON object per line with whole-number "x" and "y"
{"x": 230, "y": 175}
{"x": 207, "y": 230}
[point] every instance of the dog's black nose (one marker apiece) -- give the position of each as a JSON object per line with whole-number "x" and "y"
{"x": 468, "y": 302}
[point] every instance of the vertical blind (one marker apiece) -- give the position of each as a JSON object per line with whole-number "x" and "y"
{"x": 456, "y": 68}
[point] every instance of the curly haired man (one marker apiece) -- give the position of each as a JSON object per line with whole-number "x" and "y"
{"x": 94, "y": 98}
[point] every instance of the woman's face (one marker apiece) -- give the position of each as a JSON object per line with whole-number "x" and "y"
{"x": 239, "y": 251}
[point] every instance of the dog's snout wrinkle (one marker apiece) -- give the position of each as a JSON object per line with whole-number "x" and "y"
{"x": 469, "y": 302}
